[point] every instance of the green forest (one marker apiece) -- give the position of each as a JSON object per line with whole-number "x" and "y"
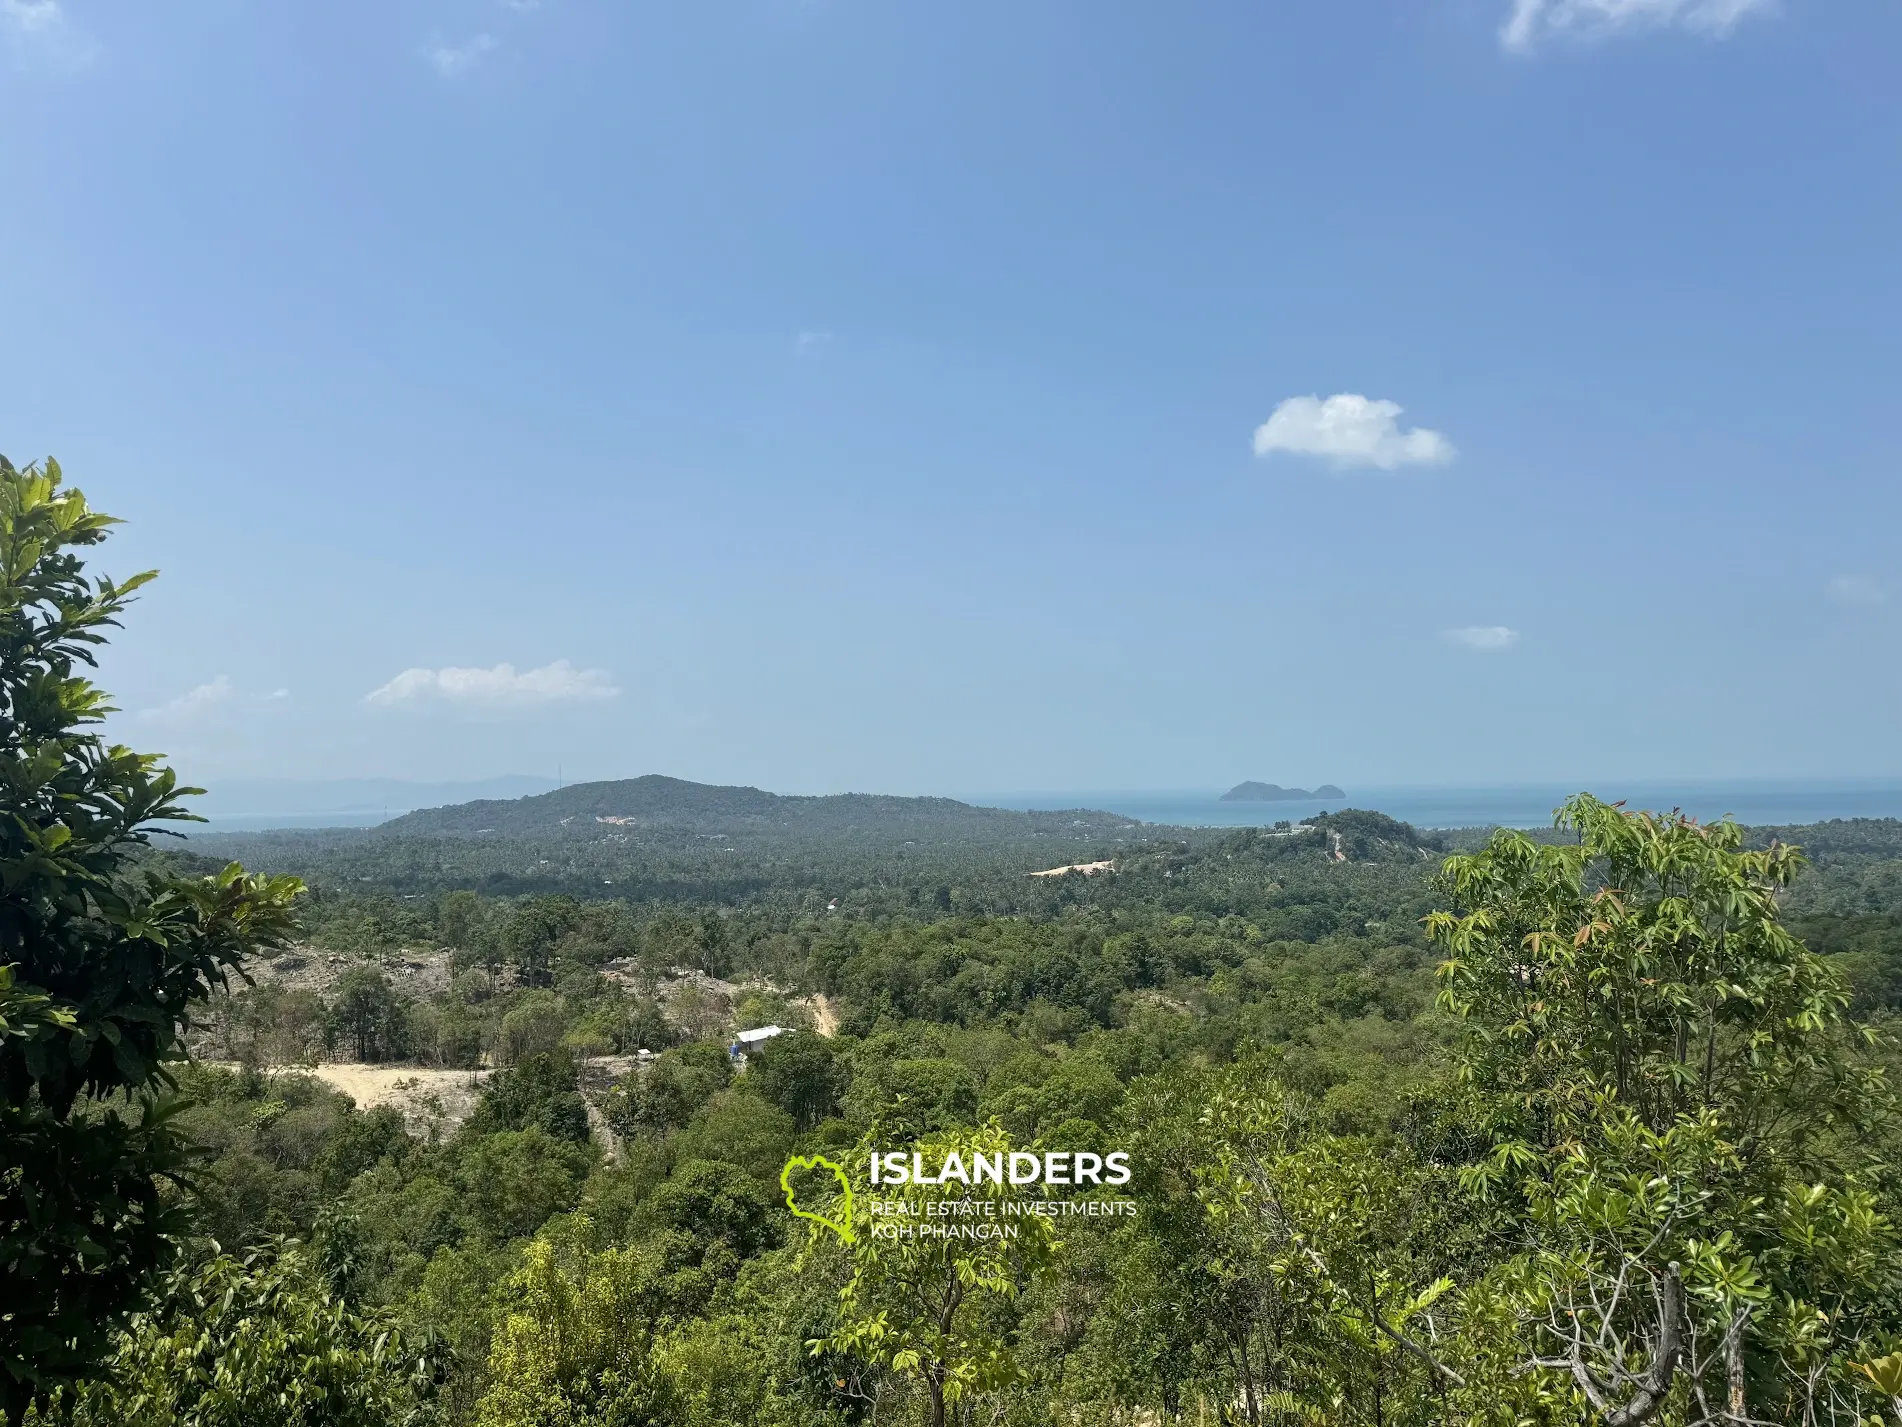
{"x": 1589, "y": 1125}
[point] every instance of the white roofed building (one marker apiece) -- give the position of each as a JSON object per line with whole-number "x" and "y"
{"x": 753, "y": 1040}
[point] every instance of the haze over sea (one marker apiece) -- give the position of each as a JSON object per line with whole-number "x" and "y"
{"x": 1758, "y": 801}
{"x": 364, "y": 803}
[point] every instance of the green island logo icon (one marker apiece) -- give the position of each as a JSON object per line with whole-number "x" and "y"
{"x": 819, "y": 1161}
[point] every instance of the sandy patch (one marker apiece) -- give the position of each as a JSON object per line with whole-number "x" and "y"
{"x": 431, "y": 1102}
{"x": 436, "y": 1102}
{"x": 825, "y": 1016}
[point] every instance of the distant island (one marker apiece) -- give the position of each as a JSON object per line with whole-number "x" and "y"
{"x": 1274, "y": 793}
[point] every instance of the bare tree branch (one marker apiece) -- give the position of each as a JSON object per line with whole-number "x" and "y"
{"x": 1647, "y": 1389}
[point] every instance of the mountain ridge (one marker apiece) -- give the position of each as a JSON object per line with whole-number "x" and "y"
{"x": 660, "y": 802}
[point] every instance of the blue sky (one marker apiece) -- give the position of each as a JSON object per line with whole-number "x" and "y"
{"x": 827, "y": 395}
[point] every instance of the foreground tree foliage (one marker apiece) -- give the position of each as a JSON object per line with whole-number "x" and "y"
{"x": 262, "y": 1338}
{"x": 1674, "y": 1106}
{"x": 577, "y": 1346}
{"x": 106, "y": 954}
{"x": 935, "y": 1309}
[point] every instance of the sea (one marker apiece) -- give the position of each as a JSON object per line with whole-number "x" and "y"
{"x": 1761, "y": 802}
{"x": 285, "y": 822}
{"x": 1758, "y": 802}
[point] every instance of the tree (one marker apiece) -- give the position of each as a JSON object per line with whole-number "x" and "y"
{"x": 512, "y": 1181}
{"x": 359, "y": 1141}
{"x": 576, "y": 1347}
{"x": 262, "y": 1338}
{"x": 1080, "y": 1088}
{"x": 112, "y": 949}
{"x": 800, "y": 1073}
{"x": 745, "y": 1364}
{"x": 1667, "y": 1082}
{"x": 928, "y": 1304}
{"x": 540, "y": 1090}
{"x": 1298, "y": 1275}
{"x": 369, "y": 1015}
{"x": 534, "y": 1027}
{"x": 717, "y": 1202}
{"x": 459, "y": 919}
{"x": 275, "y": 1025}
{"x": 665, "y": 1095}
{"x": 911, "y": 1097}
{"x": 1335, "y": 1251}
{"x": 741, "y": 1129}
{"x": 529, "y": 936}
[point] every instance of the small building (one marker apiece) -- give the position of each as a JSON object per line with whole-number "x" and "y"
{"x": 753, "y": 1040}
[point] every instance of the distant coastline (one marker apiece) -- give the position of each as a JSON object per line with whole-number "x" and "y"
{"x": 1760, "y": 802}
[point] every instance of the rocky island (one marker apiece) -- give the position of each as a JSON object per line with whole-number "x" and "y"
{"x": 1275, "y": 793}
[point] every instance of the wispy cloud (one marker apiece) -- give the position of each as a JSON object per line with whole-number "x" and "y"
{"x": 1484, "y": 638}
{"x": 451, "y": 60}
{"x": 1349, "y": 430}
{"x": 811, "y": 342}
{"x": 43, "y": 27}
{"x": 500, "y": 687}
{"x": 1856, "y": 589}
{"x": 193, "y": 702}
{"x": 195, "y": 705}
{"x": 1532, "y": 21}
{"x": 32, "y": 17}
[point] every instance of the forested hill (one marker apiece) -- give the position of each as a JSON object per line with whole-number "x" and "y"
{"x": 673, "y": 803}
{"x": 1306, "y": 880}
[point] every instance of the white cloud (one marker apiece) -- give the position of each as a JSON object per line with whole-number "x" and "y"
{"x": 1484, "y": 638}
{"x": 32, "y": 17}
{"x": 1855, "y": 589}
{"x": 42, "y": 26}
{"x": 1349, "y": 430}
{"x": 810, "y": 343}
{"x": 1534, "y": 20}
{"x": 500, "y": 687}
{"x": 193, "y": 703}
{"x": 451, "y": 60}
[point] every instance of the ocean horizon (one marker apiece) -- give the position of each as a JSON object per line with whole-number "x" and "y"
{"x": 1754, "y": 801}
{"x": 1761, "y": 802}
